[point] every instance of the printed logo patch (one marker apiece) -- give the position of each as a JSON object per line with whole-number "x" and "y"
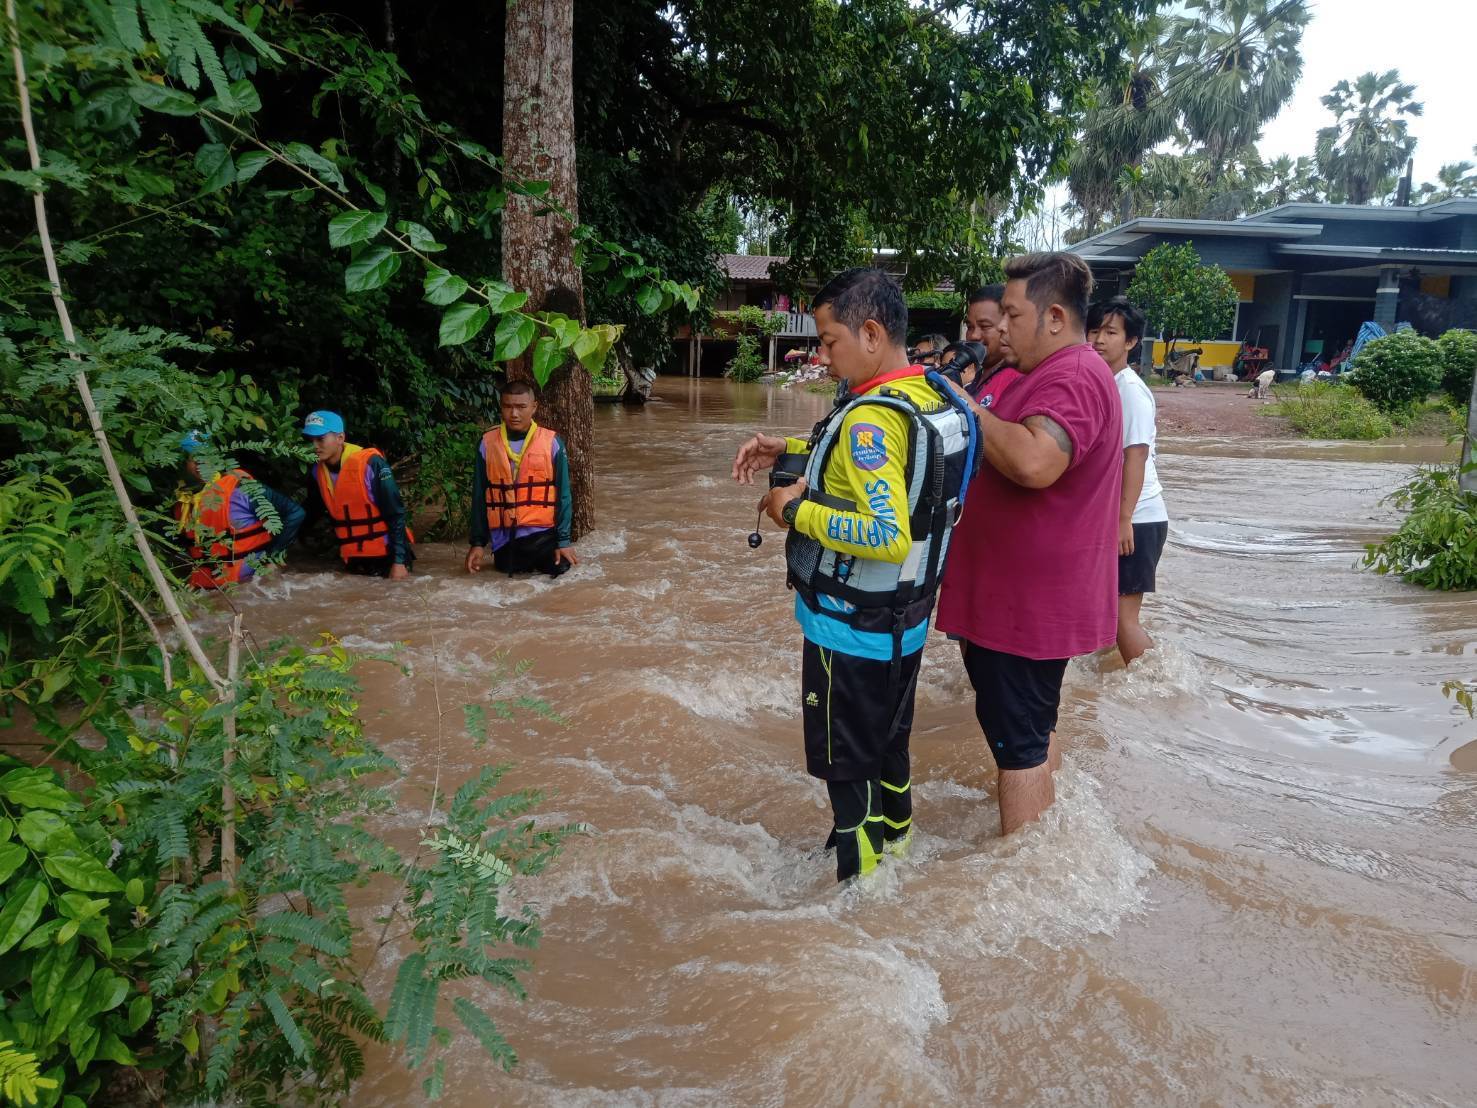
{"x": 868, "y": 451}
{"x": 812, "y": 701}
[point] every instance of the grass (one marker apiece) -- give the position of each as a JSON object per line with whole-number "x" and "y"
{"x": 1323, "y": 410}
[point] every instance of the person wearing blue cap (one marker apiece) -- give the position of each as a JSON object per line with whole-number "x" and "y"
{"x": 358, "y": 494}
{"x": 226, "y": 521}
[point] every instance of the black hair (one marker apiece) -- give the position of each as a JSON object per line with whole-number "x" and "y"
{"x": 520, "y": 388}
{"x": 936, "y": 342}
{"x": 863, "y": 293}
{"x": 1133, "y": 318}
{"x": 1055, "y": 277}
{"x": 993, "y": 293}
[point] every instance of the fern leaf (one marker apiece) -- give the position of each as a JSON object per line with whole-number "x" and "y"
{"x": 210, "y": 62}
{"x": 308, "y": 930}
{"x": 125, "y": 22}
{"x": 286, "y": 1024}
{"x": 480, "y": 1024}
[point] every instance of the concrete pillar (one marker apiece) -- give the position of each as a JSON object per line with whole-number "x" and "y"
{"x": 771, "y": 353}
{"x": 691, "y": 353}
{"x": 697, "y": 365}
{"x": 1387, "y": 297}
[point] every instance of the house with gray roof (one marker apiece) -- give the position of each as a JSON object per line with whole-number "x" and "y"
{"x": 1309, "y": 274}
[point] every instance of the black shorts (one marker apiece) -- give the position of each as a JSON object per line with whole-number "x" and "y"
{"x": 1016, "y": 701}
{"x": 849, "y": 706}
{"x": 530, "y": 554}
{"x": 1136, "y": 570}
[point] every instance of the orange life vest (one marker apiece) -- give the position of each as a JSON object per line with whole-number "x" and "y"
{"x": 521, "y": 491}
{"x": 207, "y": 516}
{"x": 358, "y": 523}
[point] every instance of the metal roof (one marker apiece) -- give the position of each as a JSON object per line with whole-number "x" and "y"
{"x": 1446, "y": 209}
{"x": 1125, "y": 233}
{"x": 750, "y": 267}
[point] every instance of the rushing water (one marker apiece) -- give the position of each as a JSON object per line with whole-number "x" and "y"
{"x": 1258, "y": 884}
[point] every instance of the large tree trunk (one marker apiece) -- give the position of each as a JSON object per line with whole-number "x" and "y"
{"x": 538, "y": 251}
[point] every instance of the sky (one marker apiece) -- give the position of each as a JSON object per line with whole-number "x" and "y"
{"x": 1433, "y": 43}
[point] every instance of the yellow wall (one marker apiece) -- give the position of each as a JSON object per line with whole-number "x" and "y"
{"x": 1216, "y": 354}
{"x": 1436, "y": 286}
{"x": 1245, "y": 286}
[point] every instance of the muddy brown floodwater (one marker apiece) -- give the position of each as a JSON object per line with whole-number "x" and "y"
{"x": 1258, "y": 886}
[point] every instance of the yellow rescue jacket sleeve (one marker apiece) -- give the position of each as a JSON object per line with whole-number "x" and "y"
{"x": 868, "y": 468}
{"x": 797, "y": 446}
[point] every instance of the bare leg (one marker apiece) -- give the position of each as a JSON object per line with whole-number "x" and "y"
{"x": 1053, "y": 753}
{"x": 1133, "y": 640}
{"x": 1024, "y": 795}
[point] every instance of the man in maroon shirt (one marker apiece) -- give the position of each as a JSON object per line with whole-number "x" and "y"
{"x": 1032, "y": 572}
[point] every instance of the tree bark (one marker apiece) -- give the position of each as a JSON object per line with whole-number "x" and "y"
{"x": 538, "y": 250}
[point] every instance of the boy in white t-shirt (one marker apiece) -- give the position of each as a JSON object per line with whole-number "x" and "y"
{"x": 1114, "y": 328}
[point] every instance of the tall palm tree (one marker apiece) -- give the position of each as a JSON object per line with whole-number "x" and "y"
{"x": 1362, "y": 152}
{"x": 1290, "y": 181}
{"x": 1453, "y": 180}
{"x": 1235, "y": 64}
{"x": 1128, "y": 119}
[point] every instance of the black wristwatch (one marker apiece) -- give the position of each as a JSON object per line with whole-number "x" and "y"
{"x": 790, "y": 511}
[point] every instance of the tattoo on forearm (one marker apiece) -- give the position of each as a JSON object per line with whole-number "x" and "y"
{"x": 1054, "y": 429}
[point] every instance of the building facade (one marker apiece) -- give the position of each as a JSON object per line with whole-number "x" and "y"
{"x": 1310, "y": 274}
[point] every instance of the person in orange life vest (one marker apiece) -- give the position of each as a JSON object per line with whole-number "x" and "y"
{"x": 521, "y": 505}
{"x": 226, "y": 516}
{"x": 358, "y": 494}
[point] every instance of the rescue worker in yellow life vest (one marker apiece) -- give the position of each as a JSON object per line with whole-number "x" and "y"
{"x": 358, "y": 494}
{"x": 521, "y": 505}
{"x": 226, "y": 521}
{"x": 868, "y": 526}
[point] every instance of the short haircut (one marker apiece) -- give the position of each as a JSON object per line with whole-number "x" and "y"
{"x": 520, "y": 388}
{"x": 1133, "y": 319}
{"x": 936, "y": 342}
{"x": 863, "y": 293}
{"x": 993, "y": 293}
{"x": 1051, "y": 278}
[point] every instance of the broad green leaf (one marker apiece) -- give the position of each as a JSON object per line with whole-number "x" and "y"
{"x": 534, "y": 188}
{"x": 249, "y": 164}
{"x": 376, "y": 193}
{"x": 305, "y": 155}
{"x": 215, "y": 165}
{"x": 462, "y": 322}
{"x": 79, "y": 907}
{"x": 244, "y": 93}
{"x": 35, "y": 788}
{"x": 134, "y": 891}
{"x": 648, "y": 298}
{"x": 11, "y": 857}
{"x": 44, "y": 935}
{"x": 113, "y": 1050}
{"x": 371, "y": 269}
{"x": 82, "y": 872}
{"x": 565, "y": 331}
{"x": 546, "y": 358}
{"x": 158, "y": 98}
{"x": 443, "y": 287}
{"x": 503, "y": 297}
{"x": 49, "y": 974}
{"x": 586, "y": 345}
{"x": 140, "y": 1008}
{"x": 419, "y": 237}
{"x": 514, "y": 332}
{"x": 347, "y": 228}
{"x": 22, "y": 909}
{"x": 83, "y": 1042}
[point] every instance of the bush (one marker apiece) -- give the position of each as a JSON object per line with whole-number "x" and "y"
{"x": 1459, "y": 363}
{"x": 746, "y": 365}
{"x": 1397, "y": 370}
{"x": 1436, "y": 546}
{"x": 1327, "y": 411}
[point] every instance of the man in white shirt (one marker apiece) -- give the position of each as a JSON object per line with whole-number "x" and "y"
{"x": 1114, "y": 328}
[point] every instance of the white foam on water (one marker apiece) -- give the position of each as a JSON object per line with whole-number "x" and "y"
{"x": 1069, "y": 875}
{"x": 1167, "y": 670}
{"x": 728, "y": 695}
{"x": 601, "y": 543}
{"x": 492, "y": 589}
